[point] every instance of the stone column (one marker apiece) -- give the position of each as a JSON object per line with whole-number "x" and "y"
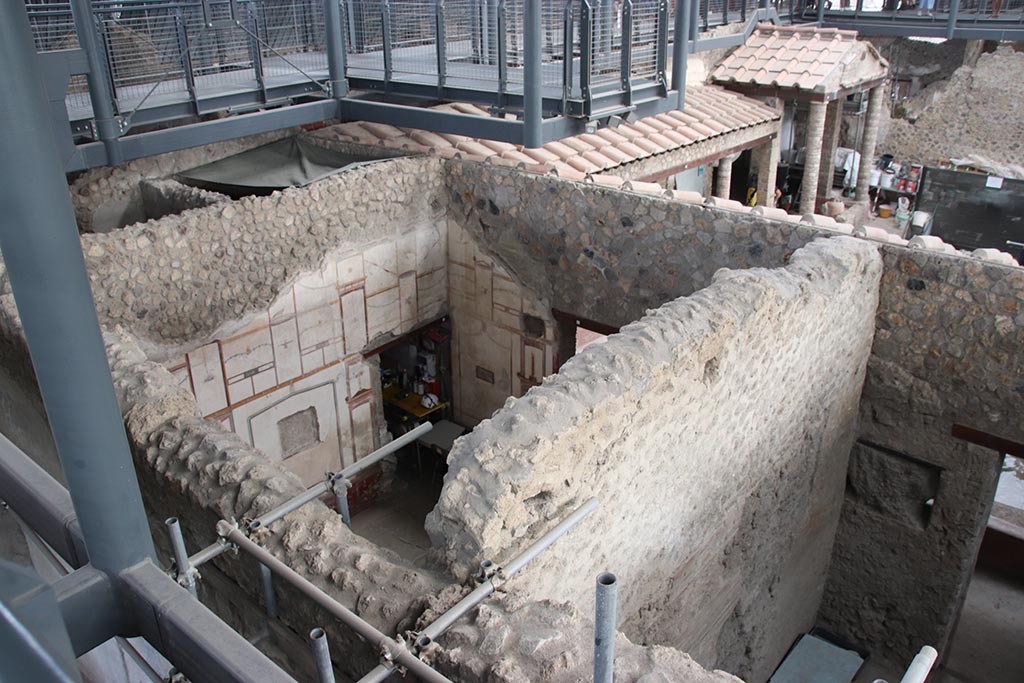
{"x": 812, "y": 162}
{"x": 723, "y": 186}
{"x": 829, "y": 144}
{"x": 876, "y": 101}
{"x": 766, "y": 162}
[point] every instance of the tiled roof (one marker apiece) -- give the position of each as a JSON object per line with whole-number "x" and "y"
{"x": 822, "y": 60}
{"x": 710, "y": 112}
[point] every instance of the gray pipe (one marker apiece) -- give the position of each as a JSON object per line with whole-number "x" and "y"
{"x": 186, "y": 576}
{"x": 364, "y": 629}
{"x": 267, "y": 582}
{"x": 437, "y": 628}
{"x": 604, "y": 628}
{"x": 322, "y": 655}
{"x": 533, "y": 98}
{"x": 335, "y": 38}
{"x": 680, "y": 50}
{"x": 43, "y": 255}
{"x": 312, "y": 493}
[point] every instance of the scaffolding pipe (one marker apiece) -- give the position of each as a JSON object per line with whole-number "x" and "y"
{"x": 393, "y": 649}
{"x": 322, "y": 655}
{"x": 493, "y": 578}
{"x": 680, "y": 50}
{"x": 218, "y": 548}
{"x": 604, "y": 628}
{"x": 921, "y": 666}
{"x": 533, "y": 101}
{"x": 269, "y": 599}
{"x": 183, "y": 568}
{"x": 45, "y": 265}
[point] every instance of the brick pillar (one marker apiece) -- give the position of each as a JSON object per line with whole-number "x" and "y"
{"x": 812, "y": 163}
{"x": 766, "y": 162}
{"x": 829, "y": 144}
{"x": 723, "y": 186}
{"x": 876, "y": 101}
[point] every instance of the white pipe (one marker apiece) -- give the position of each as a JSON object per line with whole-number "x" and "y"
{"x": 921, "y": 666}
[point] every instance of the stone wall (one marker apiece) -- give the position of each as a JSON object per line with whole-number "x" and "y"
{"x": 163, "y": 197}
{"x": 975, "y": 112}
{"x": 715, "y": 431}
{"x": 109, "y": 197}
{"x": 604, "y": 254}
{"x": 503, "y": 337}
{"x": 609, "y": 255}
{"x": 947, "y": 351}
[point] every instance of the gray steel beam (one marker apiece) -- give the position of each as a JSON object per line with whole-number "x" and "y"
{"x": 198, "y": 643}
{"x": 335, "y": 48}
{"x": 101, "y": 93}
{"x": 680, "y": 48}
{"x": 533, "y": 105}
{"x": 207, "y": 132}
{"x": 926, "y": 27}
{"x": 90, "y": 609}
{"x": 46, "y": 269}
{"x": 33, "y": 643}
{"x": 41, "y": 502}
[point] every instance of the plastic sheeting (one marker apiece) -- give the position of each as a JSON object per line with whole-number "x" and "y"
{"x": 291, "y": 162}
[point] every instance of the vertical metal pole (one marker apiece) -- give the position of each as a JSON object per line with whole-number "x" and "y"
{"x": 181, "y": 562}
{"x": 341, "y": 496}
{"x": 821, "y": 12}
{"x": 604, "y": 628}
{"x": 101, "y": 95}
{"x": 338, "y": 84}
{"x": 501, "y": 34}
{"x": 43, "y": 255}
{"x": 267, "y": 582}
{"x": 954, "y": 14}
{"x": 694, "y": 23}
{"x": 680, "y": 49}
{"x": 255, "y": 49}
{"x": 626, "y": 52}
{"x": 586, "y": 52}
{"x": 533, "y": 97}
{"x": 186, "y": 59}
{"x": 322, "y": 655}
{"x": 385, "y": 28}
{"x": 661, "y": 46}
{"x": 442, "y": 46}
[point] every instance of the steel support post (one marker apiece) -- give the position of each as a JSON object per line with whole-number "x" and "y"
{"x": 43, "y": 255}
{"x": 269, "y": 598}
{"x": 821, "y": 12}
{"x": 954, "y": 14}
{"x": 101, "y": 94}
{"x": 680, "y": 50}
{"x": 533, "y": 105}
{"x": 321, "y": 655}
{"x": 604, "y": 628}
{"x": 694, "y": 21}
{"x": 335, "y": 39}
{"x": 186, "y": 575}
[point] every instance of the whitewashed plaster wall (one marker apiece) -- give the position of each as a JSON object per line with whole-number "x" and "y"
{"x": 494, "y": 354}
{"x": 306, "y": 351}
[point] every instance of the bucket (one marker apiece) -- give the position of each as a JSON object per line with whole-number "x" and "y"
{"x": 876, "y": 175}
{"x": 885, "y": 211}
{"x": 921, "y": 219}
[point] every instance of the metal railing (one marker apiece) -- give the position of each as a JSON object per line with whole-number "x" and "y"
{"x": 967, "y": 19}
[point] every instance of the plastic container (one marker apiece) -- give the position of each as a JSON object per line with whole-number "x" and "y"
{"x": 885, "y": 211}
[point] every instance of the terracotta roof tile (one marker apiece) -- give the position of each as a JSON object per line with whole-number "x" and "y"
{"x": 710, "y": 111}
{"x": 804, "y": 58}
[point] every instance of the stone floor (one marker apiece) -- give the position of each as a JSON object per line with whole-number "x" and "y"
{"x": 986, "y": 647}
{"x": 395, "y": 521}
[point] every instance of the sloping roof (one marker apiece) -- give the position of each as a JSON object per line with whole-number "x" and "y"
{"x": 710, "y": 112}
{"x": 820, "y": 60}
